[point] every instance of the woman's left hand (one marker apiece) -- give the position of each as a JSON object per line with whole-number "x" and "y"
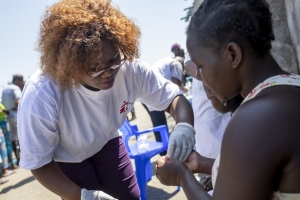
{"x": 169, "y": 171}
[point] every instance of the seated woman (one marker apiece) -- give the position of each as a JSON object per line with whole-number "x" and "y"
{"x": 230, "y": 42}
{"x": 71, "y": 109}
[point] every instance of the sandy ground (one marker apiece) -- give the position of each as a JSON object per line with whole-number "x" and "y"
{"x": 22, "y": 185}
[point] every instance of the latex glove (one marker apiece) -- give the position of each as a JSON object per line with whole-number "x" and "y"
{"x": 94, "y": 195}
{"x": 181, "y": 142}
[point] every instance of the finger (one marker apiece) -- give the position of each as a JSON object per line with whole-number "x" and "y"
{"x": 189, "y": 149}
{"x": 171, "y": 150}
{"x": 160, "y": 162}
{"x": 167, "y": 158}
{"x": 183, "y": 153}
{"x": 177, "y": 151}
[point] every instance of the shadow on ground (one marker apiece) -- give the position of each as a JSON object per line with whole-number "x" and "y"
{"x": 154, "y": 193}
{"x": 23, "y": 182}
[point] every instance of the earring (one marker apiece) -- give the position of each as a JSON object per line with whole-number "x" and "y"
{"x": 225, "y": 103}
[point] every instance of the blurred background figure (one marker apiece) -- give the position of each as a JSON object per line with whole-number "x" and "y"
{"x": 4, "y": 163}
{"x": 10, "y": 99}
{"x": 6, "y": 147}
{"x": 133, "y": 116}
{"x": 171, "y": 69}
{"x": 177, "y": 50}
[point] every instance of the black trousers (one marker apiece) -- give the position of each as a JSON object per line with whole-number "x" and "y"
{"x": 158, "y": 118}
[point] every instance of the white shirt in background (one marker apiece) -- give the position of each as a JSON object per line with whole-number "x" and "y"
{"x": 168, "y": 67}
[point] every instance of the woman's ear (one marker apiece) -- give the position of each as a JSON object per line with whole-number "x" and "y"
{"x": 235, "y": 53}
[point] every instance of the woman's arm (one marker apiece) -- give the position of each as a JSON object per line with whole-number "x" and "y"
{"x": 192, "y": 188}
{"x": 251, "y": 153}
{"x": 51, "y": 177}
{"x": 181, "y": 110}
{"x": 199, "y": 164}
{"x": 182, "y": 139}
{"x": 174, "y": 172}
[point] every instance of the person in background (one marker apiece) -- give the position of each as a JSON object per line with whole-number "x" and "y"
{"x": 8, "y": 155}
{"x": 133, "y": 116}
{"x": 177, "y": 50}
{"x": 71, "y": 109}
{"x": 260, "y": 153}
{"x": 2, "y": 180}
{"x": 5, "y": 164}
{"x": 10, "y": 99}
{"x": 170, "y": 69}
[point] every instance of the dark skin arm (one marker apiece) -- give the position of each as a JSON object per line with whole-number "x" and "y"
{"x": 199, "y": 164}
{"x": 5, "y": 111}
{"x": 181, "y": 110}
{"x": 51, "y": 177}
{"x": 259, "y": 151}
{"x": 252, "y": 152}
{"x": 174, "y": 172}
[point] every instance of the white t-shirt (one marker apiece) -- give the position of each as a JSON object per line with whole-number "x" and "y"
{"x": 168, "y": 67}
{"x": 74, "y": 125}
{"x": 209, "y": 124}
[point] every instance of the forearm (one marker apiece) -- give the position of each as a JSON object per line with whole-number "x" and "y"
{"x": 206, "y": 165}
{"x": 192, "y": 188}
{"x": 181, "y": 110}
{"x": 51, "y": 177}
{"x": 178, "y": 83}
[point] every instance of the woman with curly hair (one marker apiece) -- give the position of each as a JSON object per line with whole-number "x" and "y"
{"x": 230, "y": 43}
{"x": 71, "y": 109}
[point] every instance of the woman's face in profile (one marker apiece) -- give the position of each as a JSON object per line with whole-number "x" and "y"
{"x": 212, "y": 69}
{"x": 104, "y": 68}
{"x": 216, "y": 103}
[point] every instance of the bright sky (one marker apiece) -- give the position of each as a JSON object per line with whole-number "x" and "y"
{"x": 159, "y": 21}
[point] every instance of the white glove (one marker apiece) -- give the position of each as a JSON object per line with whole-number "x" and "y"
{"x": 95, "y": 195}
{"x": 181, "y": 142}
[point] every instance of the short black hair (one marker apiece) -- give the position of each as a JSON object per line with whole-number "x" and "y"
{"x": 17, "y": 77}
{"x": 217, "y": 22}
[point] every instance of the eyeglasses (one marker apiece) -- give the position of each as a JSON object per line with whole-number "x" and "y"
{"x": 111, "y": 68}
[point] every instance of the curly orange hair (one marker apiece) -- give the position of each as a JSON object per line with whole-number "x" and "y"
{"x": 72, "y": 29}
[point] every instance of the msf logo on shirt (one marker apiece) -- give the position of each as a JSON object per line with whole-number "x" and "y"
{"x": 124, "y": 107}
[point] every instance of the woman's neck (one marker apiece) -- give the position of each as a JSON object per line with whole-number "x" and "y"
{"x": 258, "y": 71}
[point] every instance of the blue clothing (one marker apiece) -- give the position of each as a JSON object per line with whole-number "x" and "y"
{"x": 6, "y": 148}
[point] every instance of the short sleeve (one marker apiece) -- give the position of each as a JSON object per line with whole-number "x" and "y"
{"x": 155, "y": 91}
{"x": 17, "y": 93}
{"x": 37, "y": 128}
{"x": 176, "y": 70}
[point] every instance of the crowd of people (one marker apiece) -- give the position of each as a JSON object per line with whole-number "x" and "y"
{"x": 9, "y": 143}
{"x": 244, "y": 106}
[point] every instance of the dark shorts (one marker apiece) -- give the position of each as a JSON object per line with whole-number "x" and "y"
{"x": 109, "y": 170}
